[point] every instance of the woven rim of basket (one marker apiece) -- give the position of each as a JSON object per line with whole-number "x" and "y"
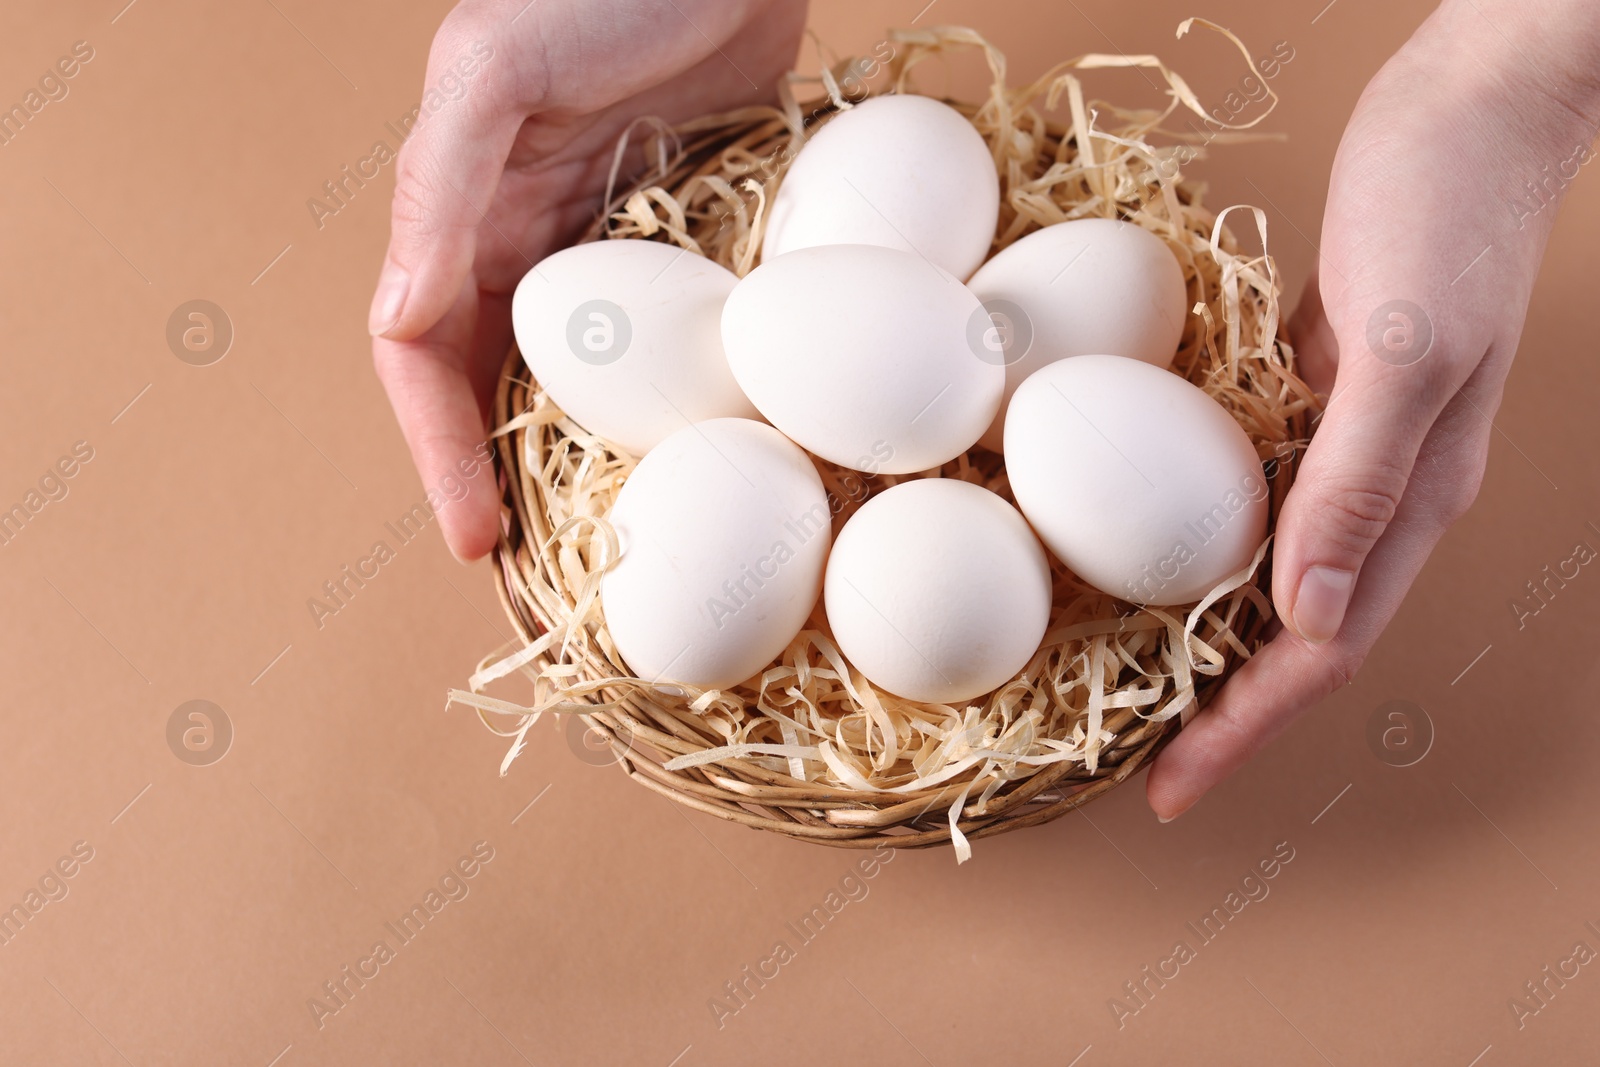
{"x": 702, "y": 194}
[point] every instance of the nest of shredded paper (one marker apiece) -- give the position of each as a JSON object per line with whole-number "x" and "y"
{"x": 810, "y": 748}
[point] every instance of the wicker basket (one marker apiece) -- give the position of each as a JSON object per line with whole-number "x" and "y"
{"x": 647, "y": 728}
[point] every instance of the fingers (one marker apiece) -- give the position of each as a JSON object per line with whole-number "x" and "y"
{"x": 1315, "y": 351}
{"x": 445, "y": 178}
{"x": 1382, "y": 479}
{"x": 570, "y": 59}
{"x": 1359, "y": 463}
{"x": 1290, "y": 675}
{"x": 1263, "y": 697}
{"x": 439, "y": 401}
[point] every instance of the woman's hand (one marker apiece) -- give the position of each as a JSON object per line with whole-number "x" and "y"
{"x": 1441, "y": 199}
{"x": 514, "y": 169}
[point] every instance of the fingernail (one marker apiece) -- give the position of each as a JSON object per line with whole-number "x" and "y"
{"x": 1320, "y": 604}
{"x": 1168, "y": 818}
{"x": 388, "y": 301}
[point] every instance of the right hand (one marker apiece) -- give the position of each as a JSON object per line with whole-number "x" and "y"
{"x": 514, "y": 169}
{"x": 1431, "y": 244}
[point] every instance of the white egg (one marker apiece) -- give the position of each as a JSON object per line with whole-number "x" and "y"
{"x": 937, "y": 590}
{"x": 1139, "y": 482}
{"x": 861, "y": 354}
{"x": 901, "y": 171}
{"x": 624, "y": 335}
{"x": 724, "y": 531}
{"x": 1078, "y": 288}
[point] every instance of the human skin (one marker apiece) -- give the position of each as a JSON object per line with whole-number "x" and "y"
{"x": 1443, "y": 141}
{"x": 514, "y": 170}
{"x": 1446, "y": 136}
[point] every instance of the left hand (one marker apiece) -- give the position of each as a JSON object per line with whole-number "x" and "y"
{"x": 514, "y": 170}
{"x": 1422, "y": 209}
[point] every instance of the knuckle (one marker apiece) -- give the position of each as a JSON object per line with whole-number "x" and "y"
{"x": 1434, "y": 381}
{"x": 464, "y": 24}
{"x": 1356, "y": 516}
{"x": 1230, "y": 721}
{"x": 1459, "y": 495}
{"x": 1439, "y": 379}
{"x": 1450, "y": 475}
{"x": 468, "y": 40}
{"x": 415, "y": 209}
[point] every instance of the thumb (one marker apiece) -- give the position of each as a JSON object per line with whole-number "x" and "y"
{"x": 445, "y": 179}
{"x": 1390, "y": 386}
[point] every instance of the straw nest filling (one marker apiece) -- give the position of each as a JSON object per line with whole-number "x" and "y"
{"x": 809, "y": 747}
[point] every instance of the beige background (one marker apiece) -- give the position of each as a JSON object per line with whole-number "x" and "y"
{"x": 219, "y": 898}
